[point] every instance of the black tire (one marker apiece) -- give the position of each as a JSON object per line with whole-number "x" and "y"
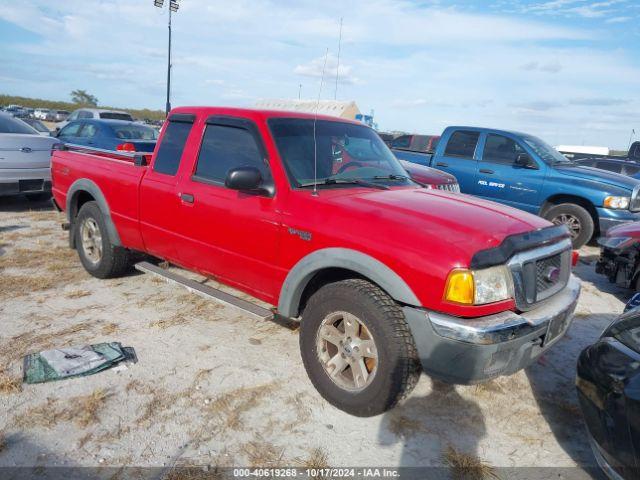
{"x": 397, "y": 367}
{"x": 573, "y": 213}
{"x": 113, "y": 261}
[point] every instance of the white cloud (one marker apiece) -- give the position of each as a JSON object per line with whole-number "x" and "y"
{"x": 316, "y": 68}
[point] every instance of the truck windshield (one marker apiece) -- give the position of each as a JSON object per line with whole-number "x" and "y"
{"x": 343, "y": 151}
{"x": 545, "y": 151}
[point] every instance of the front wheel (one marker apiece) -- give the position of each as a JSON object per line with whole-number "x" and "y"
{"x": 98, "y": 255}
{"x": 577, "y": 219}
{"x": 357, "y": 348}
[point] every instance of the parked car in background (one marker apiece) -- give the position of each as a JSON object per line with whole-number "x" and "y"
{"x": 624, "y": 167}
{"x": 110, "y": 135}
{"x": 430, "y": 177}
{"x": 632, "y": 155}
{"x": 41, "y": 113}
{"x": 37, "y": 125}
{"x": 416, "y": 143}
{"x": 25, "y": 159}
{"x": 386, "y": 137}
{"x": 620, "y": 255}
{"x": 525, "y": 172}
{"x": 608, "y": 385}
{"x": 60, "y": 116}
{"x": 95, "y": 114}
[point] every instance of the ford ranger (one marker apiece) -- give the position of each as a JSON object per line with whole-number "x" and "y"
{"x": 316, "y": 217}
{"x": 522, "y": 171}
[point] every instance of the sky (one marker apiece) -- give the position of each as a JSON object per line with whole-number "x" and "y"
{"x": 565, "y": 70}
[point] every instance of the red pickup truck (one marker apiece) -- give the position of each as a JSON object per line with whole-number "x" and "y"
{"x": 315, "y": 216}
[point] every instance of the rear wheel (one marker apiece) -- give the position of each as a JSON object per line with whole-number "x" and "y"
{"x": 577, "y": 219}
{"x": 357, "y": 348}
{"x": 98, "y": 255}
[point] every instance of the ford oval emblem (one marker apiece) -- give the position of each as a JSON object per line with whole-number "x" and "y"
{"x": 26, "y": 150}
{"x": 552, "y": 274}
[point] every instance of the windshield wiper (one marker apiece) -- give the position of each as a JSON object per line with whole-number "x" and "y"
{"x": 393, "y": 176}
{"x": 344, "y": 181}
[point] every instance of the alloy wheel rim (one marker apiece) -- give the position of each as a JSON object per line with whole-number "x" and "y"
{"x": 572, "y": 222}
{"x": 91, "y": 240}
{"x": 347, "y": 351}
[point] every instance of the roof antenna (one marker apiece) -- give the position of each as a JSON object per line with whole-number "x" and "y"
{"x": 315, "y": 119}
{"x": 335, "y": 93}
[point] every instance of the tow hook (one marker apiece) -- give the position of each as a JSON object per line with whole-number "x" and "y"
{"x": 66, "y": 226}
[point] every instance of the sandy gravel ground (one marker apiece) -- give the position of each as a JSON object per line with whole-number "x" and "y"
{"x": 215, "y": 387}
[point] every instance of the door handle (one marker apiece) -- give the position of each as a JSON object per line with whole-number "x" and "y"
{"x": 486, "y": 170}
{"x": 441, "y": 164}
{"x": 187, "y": 197}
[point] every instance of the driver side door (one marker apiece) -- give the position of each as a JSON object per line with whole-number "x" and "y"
{"x": 501, "y": 179}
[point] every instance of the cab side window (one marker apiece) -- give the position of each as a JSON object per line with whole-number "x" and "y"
{"x": 170, "y": 151}
{"x": 88, "y": 131}
{"x": 502, "y": 150}
{"x": 401, "y": 142}
{"x": 462, "y": 144}
{"x": 226, "y": 147}
{"x": 85, "y": 114}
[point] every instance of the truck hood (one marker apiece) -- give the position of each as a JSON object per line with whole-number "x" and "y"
{"x": 626, "y": 230}
{"x": 418, "y": 216}
{"x": 598, "y": 175}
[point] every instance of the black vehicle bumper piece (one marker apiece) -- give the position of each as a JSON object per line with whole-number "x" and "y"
{"x": 618, "y": 266}
{"x": 468, "y": 351}
{"x": 608, "y": 385}
{"x": 25, "y": 186}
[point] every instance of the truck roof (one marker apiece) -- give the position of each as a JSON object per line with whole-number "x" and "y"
{"x": 258, "y": 114}
{"x": 489, "y": 130}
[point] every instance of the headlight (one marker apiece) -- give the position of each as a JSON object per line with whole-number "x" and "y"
{"x": 478, "y": 287}
{"x": 621, "y": 203}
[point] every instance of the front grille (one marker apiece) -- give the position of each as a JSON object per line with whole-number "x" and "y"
{"x": 449, "y": 187}
{"x": 548, "y": 272}
{"x": 540, "y": 273}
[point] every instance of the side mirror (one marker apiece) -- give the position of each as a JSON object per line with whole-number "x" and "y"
{"x": 244, "y": 179}
{"x": 524, "y": 160}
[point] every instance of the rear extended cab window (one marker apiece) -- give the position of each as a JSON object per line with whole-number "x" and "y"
{"x": 462, "y": 144}
{"x": 172, "y": 145}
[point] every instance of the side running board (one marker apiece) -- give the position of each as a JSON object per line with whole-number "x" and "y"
{"x": 206, "y": 291}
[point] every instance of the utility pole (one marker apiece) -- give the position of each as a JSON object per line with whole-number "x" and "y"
{"x": 335, "y": 93}
{"x": 173, "y": 7}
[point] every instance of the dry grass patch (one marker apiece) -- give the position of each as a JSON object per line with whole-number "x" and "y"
{"x": 165, "y": 323}
{"x": 109, "y": 329}
{"x": 40, "y": 269}
{"x": 317, "y": 459}
{"x": 231, "y": 407}
{"x": 41, "y": 216}
{"x": 466, "y": 466}
{"x": 18, "y": 346}
{"x": 77, "y": 294}
{"x": 263, "y": 454}
{"x": 82, "y": 410}
{"x": 9, "y": 385}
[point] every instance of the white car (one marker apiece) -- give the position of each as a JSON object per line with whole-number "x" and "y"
{"x": 60, "y": 115}
{"x": 95, "y": 114}
{"x": 25, "y": 159}
{"x": 41, "y": 113}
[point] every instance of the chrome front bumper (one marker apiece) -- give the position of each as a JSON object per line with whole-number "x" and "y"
{"x": 506, "y": 326}
{"x": 467, "y": 351}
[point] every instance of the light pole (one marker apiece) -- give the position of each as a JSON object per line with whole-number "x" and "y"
{"x": 173, "y": 7}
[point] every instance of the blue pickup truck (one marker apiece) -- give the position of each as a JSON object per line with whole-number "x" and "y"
{"x": 523, "y": 171}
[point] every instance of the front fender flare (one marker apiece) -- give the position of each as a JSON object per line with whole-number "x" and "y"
{"x": 86, "y": 185}
{"x": 370, "y": 268}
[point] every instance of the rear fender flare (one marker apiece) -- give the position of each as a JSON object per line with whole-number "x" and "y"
{"x": 370, "y": 268}
{"x": 86, "y": 185}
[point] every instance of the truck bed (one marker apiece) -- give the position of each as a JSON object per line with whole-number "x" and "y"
{"x": 114, "y": 173}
